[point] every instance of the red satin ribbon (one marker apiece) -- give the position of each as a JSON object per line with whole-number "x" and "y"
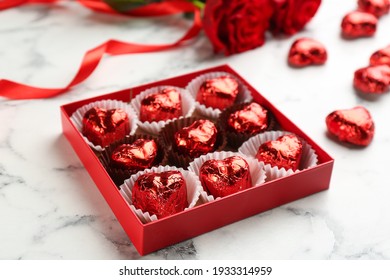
{"x": 92, "y": 58}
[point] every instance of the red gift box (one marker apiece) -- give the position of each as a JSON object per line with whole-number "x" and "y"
{"x": 208, "y": 216}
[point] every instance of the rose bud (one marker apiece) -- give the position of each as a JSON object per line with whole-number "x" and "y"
{"x": 291, "y": 16}
{"x": 236, "y": 26}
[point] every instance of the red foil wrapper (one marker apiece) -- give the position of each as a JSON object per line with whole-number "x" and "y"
{"x": 102, "y": 127}
{"x": 161, "y": 194}
{"x": 354, "y": 125}
{"x": 290, "y": 16}
{"x": 381, "y": 57}
{"x": 306, "y": 51}
{"x": 197, "y": 139}
{"x": 376, "y": 7}
{"x": 358, "y": 24}
{"x": 224, "y": 177}
{"x": 284, "y": 152}
{"x": 372, "y": 79}
{"x": 161, "y": 106}
{"x": 136, "y": 156}
{"x": 251, "y": 119}
{"x": 218, "y": 93}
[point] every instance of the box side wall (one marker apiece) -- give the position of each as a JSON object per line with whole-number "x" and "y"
{"x": 117, "y": 203}
{"x": 218, "y": 213}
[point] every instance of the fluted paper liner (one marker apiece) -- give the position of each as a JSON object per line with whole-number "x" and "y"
{"x": 187, "y": 103}
{"x": 118, "y": 175}
{"x": 194, "y": 189}
{"x": 250, "y": 148}
{"x": 77, "y": 117}
{"x": 256, "y": 169}
{"x": 244, "y": 95}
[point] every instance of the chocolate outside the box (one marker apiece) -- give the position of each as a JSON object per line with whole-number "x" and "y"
{"x": 161, "y": 194}
{"x": 234, "y": 138}
{"x": 167, "y": 136}
{"x": 358, "y": 24}
{"x": 354, "y": 126}
{"x": 102, "y": 127}
{"x": 118, "y": 174}
{"x": 372, "y": 79}
{"x": 224, "y": 177}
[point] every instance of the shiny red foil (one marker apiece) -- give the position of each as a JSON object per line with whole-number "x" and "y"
{"x": 139, "y": 155}
{"x": 376, "y": 7}
{"x": 251, "y": 119}
{"x": 197, "y": 139}
{"x": 358, "y": 24}
{"x": 224, "y": 177}
{"x": 102, "y": 127}
{"x": 381, "y": 57}
{"x": 291, "y": 16}
{"x": 284, "y": 152}
{"x": 161, "y": 106}
{"x": 306, "y": 51}
{"x": 161, "y": 194}
{"x": 218, "y": 93}
{"x": 354, "y": 126}
{"x": 372, "y": 79}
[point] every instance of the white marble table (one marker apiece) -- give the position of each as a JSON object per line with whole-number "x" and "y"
{"x": 51, "y": 209}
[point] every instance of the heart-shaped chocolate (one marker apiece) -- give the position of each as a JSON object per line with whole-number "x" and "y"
{"x": 197, "y": 139}
{"x": 372, "y": 79}
{"x": 358, "y": 24}
{"x": 352, "y": 125}
{"x": 102, "y": 127}
{"x": 139, "y": 155}
{"x": 381, "y": 57}
{"x": 306, "y": 51}
{"x": 161, "y": 106}
{"x": 251, "y": 119}
{"x": 376, "y": 7}
{"x": 284, "y": 152}
{"x": 161, "y": 194}
{"x": 224, "y": 177}
{"x": 218, "y": 93}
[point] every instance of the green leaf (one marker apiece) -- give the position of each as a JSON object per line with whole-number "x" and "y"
{"x": 128, "y": 5}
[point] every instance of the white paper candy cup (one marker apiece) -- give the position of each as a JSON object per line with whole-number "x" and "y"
{"x": 187, "y": 103}
{"x": 244, "y": 95}
{"x": 194, "y": 188}
{"x": 256, "y": 169}
{"x": 77, "y": 117}
{"x": 251, "y": 146}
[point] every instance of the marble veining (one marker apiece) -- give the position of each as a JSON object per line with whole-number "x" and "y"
{"x": 51, "y": 209}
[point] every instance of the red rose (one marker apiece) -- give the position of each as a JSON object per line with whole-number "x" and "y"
{"x": 290, "y": 16}
{"x": 235, "y": 26}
